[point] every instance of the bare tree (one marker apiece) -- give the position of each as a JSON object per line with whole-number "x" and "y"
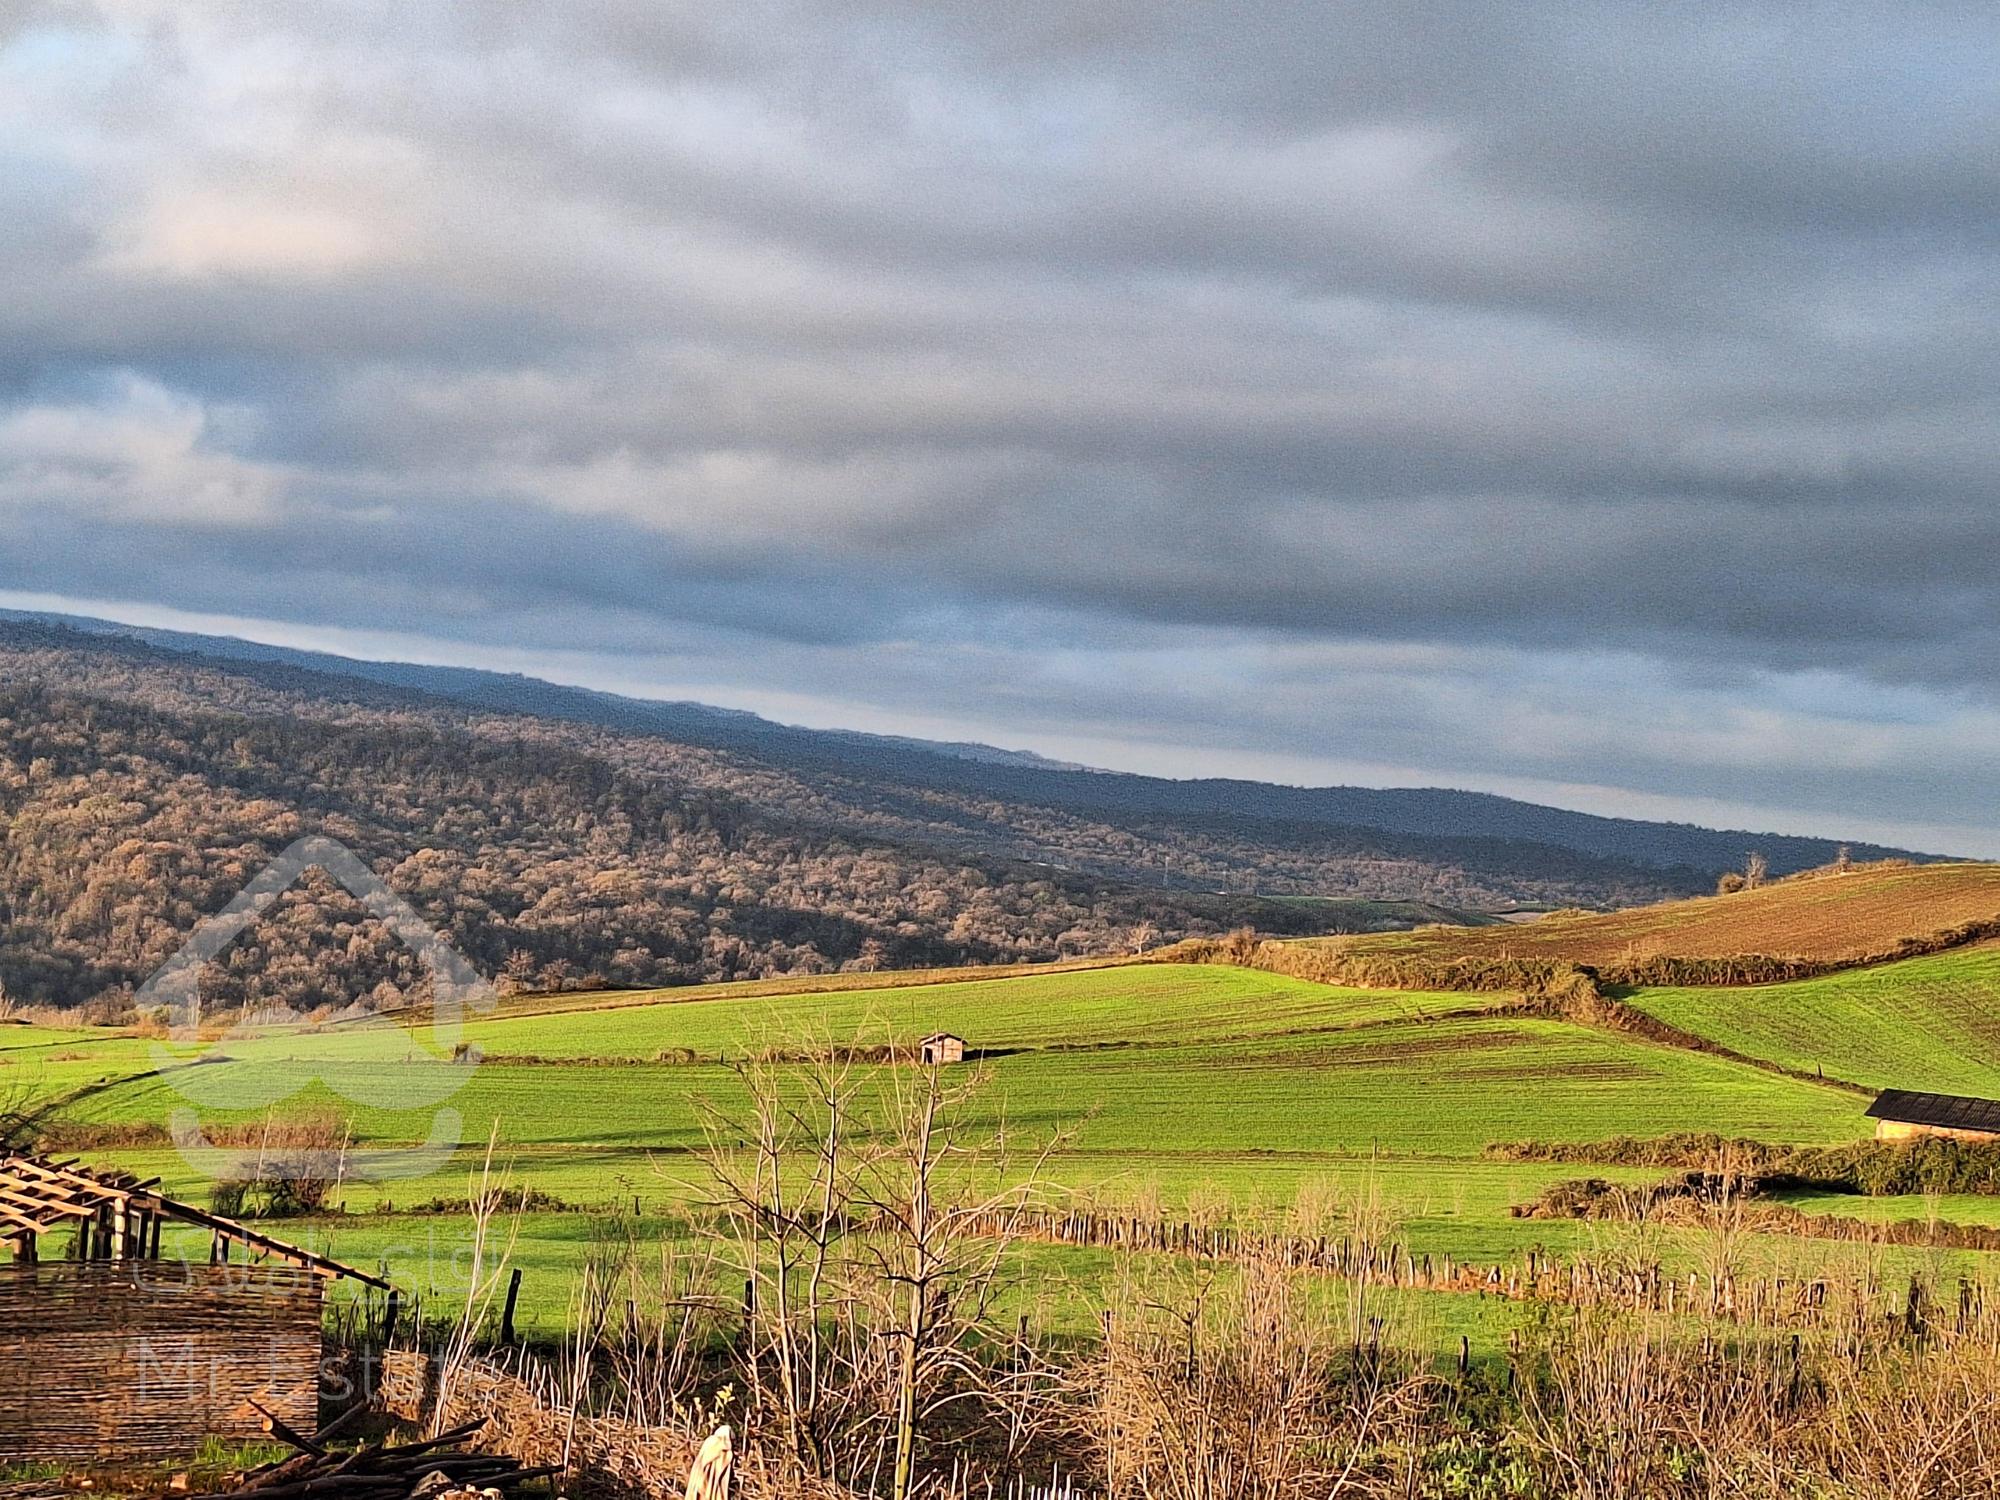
{"x": 875, "y": 1218}
{"x": 1755, "y": 869}
{"x": 944, "y": 1261}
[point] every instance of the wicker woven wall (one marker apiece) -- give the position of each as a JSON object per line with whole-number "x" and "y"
{"x": 143, "y": 1359}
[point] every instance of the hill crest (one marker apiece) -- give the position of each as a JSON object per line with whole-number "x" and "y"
{"x": 1822, "y": 919}
{"x": 1681, "y": 857}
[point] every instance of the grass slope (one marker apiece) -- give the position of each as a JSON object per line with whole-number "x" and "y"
{"x": 1178, "y": 1070}
{"x": 569, "y": 1002}
{"x": 1091, "y": 1007}
{"x": 1831, "y": 919}
{"x": 1175, "y": 1082}
{"x": 1924, "y": 1023}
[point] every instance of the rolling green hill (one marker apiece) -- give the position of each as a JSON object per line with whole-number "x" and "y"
{"x": 1129, "y": 1004}
{"x": 1923, "y": 1023}
{"x": 1173, "y": 1084}
{"x": 1435, "y": 1088}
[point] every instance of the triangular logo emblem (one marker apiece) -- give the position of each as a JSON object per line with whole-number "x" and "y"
{"x": 275, "y": 1056}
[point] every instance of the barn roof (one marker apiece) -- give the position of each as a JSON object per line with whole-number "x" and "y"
{"x": 38, "y": 1195}
{"x": 1945, "y": 1111}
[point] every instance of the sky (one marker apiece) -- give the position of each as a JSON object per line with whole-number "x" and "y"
{"x": 1595, "y": 403}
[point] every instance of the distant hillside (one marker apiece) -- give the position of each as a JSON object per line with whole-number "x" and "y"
{"x": 140, "y": 787}
{"x": 511, "y": 692}
{"x": 1207, "y": 833}
{"x": 139, "y": 804}
{"x": 567, "y": 838}
{"x": 1832, "y": 918}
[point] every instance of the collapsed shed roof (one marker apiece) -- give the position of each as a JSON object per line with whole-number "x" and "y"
{"x": 39, "y": 1195}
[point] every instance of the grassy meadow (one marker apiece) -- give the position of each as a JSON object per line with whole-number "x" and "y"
{"x": 1205, "y": 1091}
{"x": 1177, "y": 1089}
{"x": 1924, "y": 1023}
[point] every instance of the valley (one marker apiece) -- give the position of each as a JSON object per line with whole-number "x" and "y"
{"x": 1169, "y": 1089}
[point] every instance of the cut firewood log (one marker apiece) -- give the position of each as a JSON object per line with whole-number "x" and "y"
{"x": 285, "y": 1434}
{"x": 434, "y": 1469}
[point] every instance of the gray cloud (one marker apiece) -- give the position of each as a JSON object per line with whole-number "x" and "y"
{"x": 1296, "y": 380}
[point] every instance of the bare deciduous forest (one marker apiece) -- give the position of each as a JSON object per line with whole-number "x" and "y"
{"x": 141, "y": 789}
{"x": 127, "y": 824}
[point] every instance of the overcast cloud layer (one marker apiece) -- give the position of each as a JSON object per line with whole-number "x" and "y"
{"x": 1596, "y": 402}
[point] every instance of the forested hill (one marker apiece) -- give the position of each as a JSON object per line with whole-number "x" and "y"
{"x": 140, "y": 785}
{"x": 132, "y": 809}
{"x": 1018, "y": 776}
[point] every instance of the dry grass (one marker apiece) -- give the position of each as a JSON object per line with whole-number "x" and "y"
{"x": 1250, "y": 1385}
{"x": 1832, "y": 920}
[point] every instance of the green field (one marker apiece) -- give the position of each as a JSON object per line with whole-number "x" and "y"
{"x": 1925, "y": 1023}
{"x": 1130, "y": 1004}
{"x": 1171, "y": 1086}
{"x": 1187, "y": 1068}
{"x": 1948, "y": 1208}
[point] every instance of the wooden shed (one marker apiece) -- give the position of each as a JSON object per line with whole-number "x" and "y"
{"x": 118, "y": 1352}
{"x": 1901, "y": 1114}
{"x": 941, "y": 1047}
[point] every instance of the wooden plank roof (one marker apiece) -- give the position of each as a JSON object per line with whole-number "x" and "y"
{"x": 38, "y": 1195}
{"x": 1943, "y": 1111}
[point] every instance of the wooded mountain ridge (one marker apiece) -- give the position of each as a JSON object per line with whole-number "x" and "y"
{"x": 600, "y": 839}
{"x": 1687, "y": 850}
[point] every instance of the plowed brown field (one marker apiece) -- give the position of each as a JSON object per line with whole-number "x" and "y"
{"x": 1828, "y": 919}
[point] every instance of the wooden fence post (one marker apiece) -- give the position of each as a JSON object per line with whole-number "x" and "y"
{"x": 507, "y": 1312}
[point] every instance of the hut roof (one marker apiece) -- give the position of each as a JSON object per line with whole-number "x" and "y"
{"x": 38, "y": 1195}
{"x": 943, "y": 1036}
{"x": 1944, "y": 1111}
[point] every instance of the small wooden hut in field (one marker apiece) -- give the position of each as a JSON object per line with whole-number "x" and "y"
{"x": 941, "y": 1047}
{"x": 117, "y": 1351}
{"x": 1901, "y": 1115}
